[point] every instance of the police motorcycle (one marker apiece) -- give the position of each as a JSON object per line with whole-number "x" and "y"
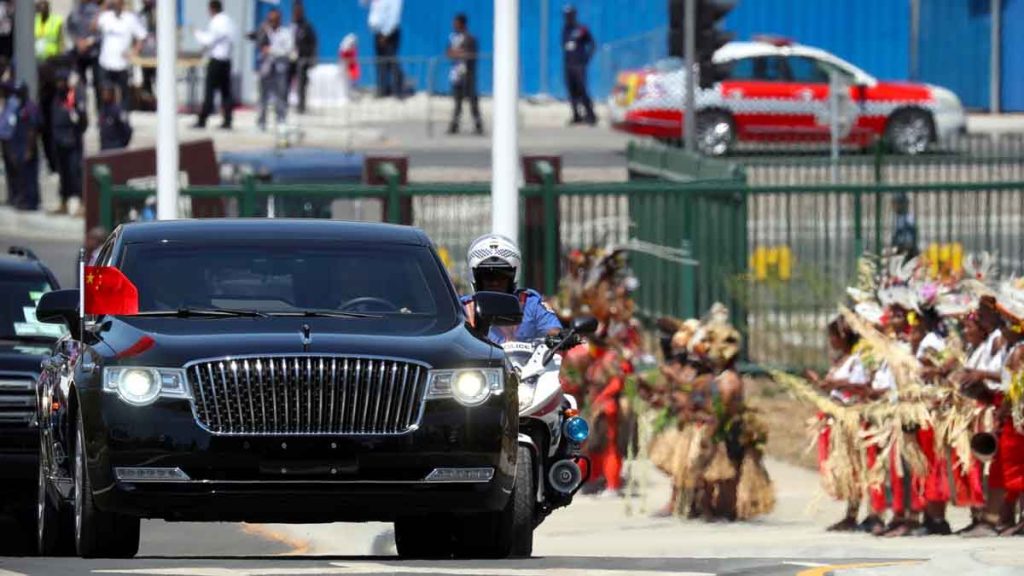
{"x": 550, "y": 426}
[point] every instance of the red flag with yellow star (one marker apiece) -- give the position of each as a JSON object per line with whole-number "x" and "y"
{"x": 108, "y": 291}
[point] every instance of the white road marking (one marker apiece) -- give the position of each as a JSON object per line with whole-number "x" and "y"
{"x": 9, "y": 573}
{"x": 806, "y": 564}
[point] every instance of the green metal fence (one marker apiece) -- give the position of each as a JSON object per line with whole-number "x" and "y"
{"x": 975, "y": 158}
{"x": 803, "y": 243}
{"x": 779, "y": 256}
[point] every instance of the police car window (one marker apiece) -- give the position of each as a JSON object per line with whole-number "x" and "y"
{"x": 807, "y": 70}
{"x": 761, "y": 68}
{"x": 288, "y": 277}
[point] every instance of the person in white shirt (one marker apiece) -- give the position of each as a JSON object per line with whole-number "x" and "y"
{"x": 384, "y": 20}
{"x": 121, "y": 34}
{"x": 847, "y": 381}
{"x": 276, "y": 44}
{"x": 218, "y": 40}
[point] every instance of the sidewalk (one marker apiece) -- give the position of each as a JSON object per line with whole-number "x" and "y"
{"x": 624, "y": 529}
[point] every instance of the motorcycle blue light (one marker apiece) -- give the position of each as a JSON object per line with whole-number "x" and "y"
{"x": 577, "y": 429}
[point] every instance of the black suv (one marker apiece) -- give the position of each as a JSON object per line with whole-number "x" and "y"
{"x": 281, "y": 371}
{"x": 24, "y": 343}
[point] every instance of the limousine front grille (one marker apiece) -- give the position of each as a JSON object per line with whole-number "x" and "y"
{"x": 303, "y": 395}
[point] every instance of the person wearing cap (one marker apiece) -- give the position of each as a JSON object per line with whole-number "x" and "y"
{"x": 577, "y": 49}
{"x": 68, "y": 121}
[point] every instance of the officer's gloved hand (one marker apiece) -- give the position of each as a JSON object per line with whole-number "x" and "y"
{"x": 565, "y": 340}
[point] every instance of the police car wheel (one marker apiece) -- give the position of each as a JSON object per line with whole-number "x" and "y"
{"x": 716, "y": 133}
{"x": 909, "y": 132}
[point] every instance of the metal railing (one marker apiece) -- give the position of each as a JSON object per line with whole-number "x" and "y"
{"x": 779, "y": 256}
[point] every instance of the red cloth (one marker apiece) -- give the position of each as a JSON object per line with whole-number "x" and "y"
{"x": 876, "y": 494}
{"x": 1011, "y": 460}
{"x": 608, "y": 462}
{"x": 916, "y": 484}
{"x": 824, "y": 437}
{"x": 968, "y": 486}
{"x": 936, "y": 483}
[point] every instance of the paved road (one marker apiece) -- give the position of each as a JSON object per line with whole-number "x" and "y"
{"x": 594, "y": 537}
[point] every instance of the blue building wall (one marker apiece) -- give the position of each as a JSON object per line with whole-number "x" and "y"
{"x": 954, "y": 47}
{"x": 952, "y": 50}
{"x": 1012, "y": 49}
{"x": 873, "y": 34}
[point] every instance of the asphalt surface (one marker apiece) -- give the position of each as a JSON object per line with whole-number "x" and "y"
{"x": 554, "y": 566}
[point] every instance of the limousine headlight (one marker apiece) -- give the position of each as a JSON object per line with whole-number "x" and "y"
{"x": 469, "y": 387}
{"x": 141, "y": 386}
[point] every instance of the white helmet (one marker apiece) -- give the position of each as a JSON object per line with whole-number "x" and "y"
{"x": 494, "y": 252}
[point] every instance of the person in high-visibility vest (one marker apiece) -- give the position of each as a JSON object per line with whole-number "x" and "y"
{"x": 49, "y": 32}
{"x": 49, "y": 46}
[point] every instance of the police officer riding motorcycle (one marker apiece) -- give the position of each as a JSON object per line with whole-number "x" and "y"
{"x": 549, "y": 423}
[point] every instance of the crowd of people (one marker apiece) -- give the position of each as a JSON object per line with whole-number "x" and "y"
{"x": 705, "y": 437}
{"x": 921, "y": 408}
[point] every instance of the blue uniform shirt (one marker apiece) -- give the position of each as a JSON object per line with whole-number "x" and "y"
{"x": 577, "y": 45}
{"x": 538, "y": 319}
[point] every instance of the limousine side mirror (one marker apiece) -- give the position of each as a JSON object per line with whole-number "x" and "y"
{"x": 60, "y": 307}
{"x": 496, "y": 309}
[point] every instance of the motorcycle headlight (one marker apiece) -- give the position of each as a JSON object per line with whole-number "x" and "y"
{"x": 469, "y": 387}
{"x": 527, "y": 390}
{"x": 142, "y": 386}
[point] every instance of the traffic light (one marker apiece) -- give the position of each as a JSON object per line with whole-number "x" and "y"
{"x": 709, "y": 37}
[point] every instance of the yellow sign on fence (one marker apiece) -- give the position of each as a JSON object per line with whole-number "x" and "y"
{"x": 944, "y": 260}
{"x": 777, "y": 259}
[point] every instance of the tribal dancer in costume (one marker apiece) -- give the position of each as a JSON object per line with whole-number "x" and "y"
{"x": 714, "y": 451}
{"x": 848, "y": 382}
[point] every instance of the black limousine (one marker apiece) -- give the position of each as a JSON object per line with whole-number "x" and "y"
{"x": 279, "y": 371}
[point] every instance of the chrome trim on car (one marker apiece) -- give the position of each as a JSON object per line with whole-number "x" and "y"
{"x": 360, "y": 384}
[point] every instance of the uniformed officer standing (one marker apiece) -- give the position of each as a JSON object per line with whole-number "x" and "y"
{"x": 68, "y": 121}
{"x": 577, "y": 48}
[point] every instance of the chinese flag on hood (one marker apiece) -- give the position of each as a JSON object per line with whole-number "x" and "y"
{"x": 108, "y": 291}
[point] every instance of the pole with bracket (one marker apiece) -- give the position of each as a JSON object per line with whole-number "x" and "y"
{"x": 690, "y": 78}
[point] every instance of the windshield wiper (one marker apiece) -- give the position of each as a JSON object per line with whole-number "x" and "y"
{"x": 185, "y": 312}
{"x": 325, "y": 314}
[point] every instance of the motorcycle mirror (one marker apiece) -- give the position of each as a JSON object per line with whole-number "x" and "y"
{"x": 584, "y": 325}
